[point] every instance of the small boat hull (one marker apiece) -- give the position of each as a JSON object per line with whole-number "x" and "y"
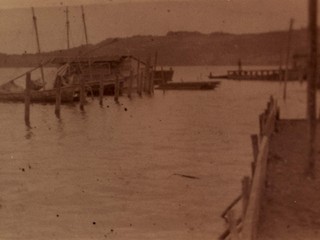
{"x": 44, "y": 96}
{"x": 189, "y": 85}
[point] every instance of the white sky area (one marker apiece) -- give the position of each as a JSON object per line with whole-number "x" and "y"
{"x": 123, "y": 18}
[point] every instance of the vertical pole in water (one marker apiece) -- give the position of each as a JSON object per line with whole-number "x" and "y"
{"x": 130, "y": 83}
{"x": 116, "y": 88}
{"x": 163, "y": 81}
{"x": 154, "y": 72}
{"x": 312, "y": 85}
{"x": 286, "y": 75}
{"x": 58, "y": 97}
{"x": 27, "y": 100}
{"x": 82, "y": 93}
{"x": 101, "y": 91}
{"x": 139, "y": 90}
{"x": 38, "y": 42}
{"x": 147, "y": 76}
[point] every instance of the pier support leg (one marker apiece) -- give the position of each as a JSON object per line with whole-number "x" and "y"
{"x": 130, "y": 84}
{"x": 27, "y": 100}
{"x": 82, "y": 94}
{"x": 101, "y": 92}
{"x": 117, "y": 89}
{"x": 58, "y": 97}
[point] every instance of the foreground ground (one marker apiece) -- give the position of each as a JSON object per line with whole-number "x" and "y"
{"x": 290, "y": 207}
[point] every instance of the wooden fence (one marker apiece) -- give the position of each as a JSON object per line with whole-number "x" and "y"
{"x": 244, "y": 227}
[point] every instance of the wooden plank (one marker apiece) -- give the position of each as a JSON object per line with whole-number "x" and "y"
{"x": 117, "y": 89}
{"x": 312, "y": 86}
{"x": 250, "y": 222}
{"x": 82, "y": 94}
{"x": 27, "y": 100}
{"x": 58, "y": 97}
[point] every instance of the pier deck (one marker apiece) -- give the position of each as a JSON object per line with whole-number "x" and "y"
{"x": 290, "y": 206}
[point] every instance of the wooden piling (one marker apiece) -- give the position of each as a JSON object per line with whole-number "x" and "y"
{"x": 312, "y": 86}
{"x": 139, "y": 89}
{"x": 147, "y": 76}
{"x": 255, "y": 149}
{"x": 116, "y": 88}
{"x": 58, "y": 96}
{"x": 130, "y": 84}
{"x": 82, "y": 93}
{"x": 246, "y": 186}
{"x": 154, "y": 72}
{"x": 232, "y": 225}
{"x": 163, "y": 81}
{"x": 27, "y": 100}
{"x": 101, "y": 91}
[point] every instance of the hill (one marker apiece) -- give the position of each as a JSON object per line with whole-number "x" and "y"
{"x": 185, "y": 48}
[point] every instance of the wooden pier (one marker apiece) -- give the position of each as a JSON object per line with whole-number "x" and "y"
{"x": 265, "y": 74}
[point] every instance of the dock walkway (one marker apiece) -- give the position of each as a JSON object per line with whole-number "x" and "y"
{"x": 290, "y": 205}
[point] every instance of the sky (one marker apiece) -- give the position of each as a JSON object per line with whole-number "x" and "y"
{"x": 125, "y": 18}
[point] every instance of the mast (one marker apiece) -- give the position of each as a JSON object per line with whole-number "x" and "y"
{"x": 68, "y": 27}
{"x": 37, "y": 39}
{"x": 84, "y": 25}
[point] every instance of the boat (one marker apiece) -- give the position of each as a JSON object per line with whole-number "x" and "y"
{"x": 208, "y": 85}
{"x": 211, "y": 76}
{"x": 43, "y": 96}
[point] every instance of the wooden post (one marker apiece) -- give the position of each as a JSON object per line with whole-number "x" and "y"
{"x": 142, "y": 73}
{"x": 101, "y": 91}
{"x": 139, "y": 82}
{"x": 91, "y": 77}
{"x": 130, "y": 84}
{"x": 286, "y": 75}
{"x": 232, "y": 225}
{"x": 255, "y": 148}
{"x": 245, "y": 195}
{"x": 163, "y": 81}
{"x": 147, "y": 76}
{"x": 154, "y": 72}
{"x": 82, "y": 93}
{"x": 27, "y": 100}
{"x": 58, "y": 97}
{"x": 261, "y": 125}
{"x": 312, "y": 86}
{"x": 116, "y": 88}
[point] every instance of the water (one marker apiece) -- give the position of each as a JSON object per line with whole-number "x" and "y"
{"x": 108, "y": 173}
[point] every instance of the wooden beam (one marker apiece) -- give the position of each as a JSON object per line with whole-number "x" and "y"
{"x": 312, "y": 85}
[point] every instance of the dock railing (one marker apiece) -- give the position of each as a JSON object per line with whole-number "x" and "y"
{"x": 244, "y": 227}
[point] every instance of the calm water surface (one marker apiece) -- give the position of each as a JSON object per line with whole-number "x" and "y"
{"x": 108, "y": 173}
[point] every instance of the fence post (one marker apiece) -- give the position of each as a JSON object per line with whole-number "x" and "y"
{"x": 116, "y": 89}
{"x": 82, "y": 93}
{"x": 101, "y": 91}
{"x": 138, "y": 79}
{"x": 27, "y": 100}
{"x": 245, "y": 195}
{"x": 232, "y": 225}
{"x": 130, "y": 84}
{"x": 58, "y": 97}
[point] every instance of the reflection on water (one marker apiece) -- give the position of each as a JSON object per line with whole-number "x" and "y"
{"x": 120, "y": 166}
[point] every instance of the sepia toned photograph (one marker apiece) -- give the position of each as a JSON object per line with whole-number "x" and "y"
{"x": 159, "y": 120}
